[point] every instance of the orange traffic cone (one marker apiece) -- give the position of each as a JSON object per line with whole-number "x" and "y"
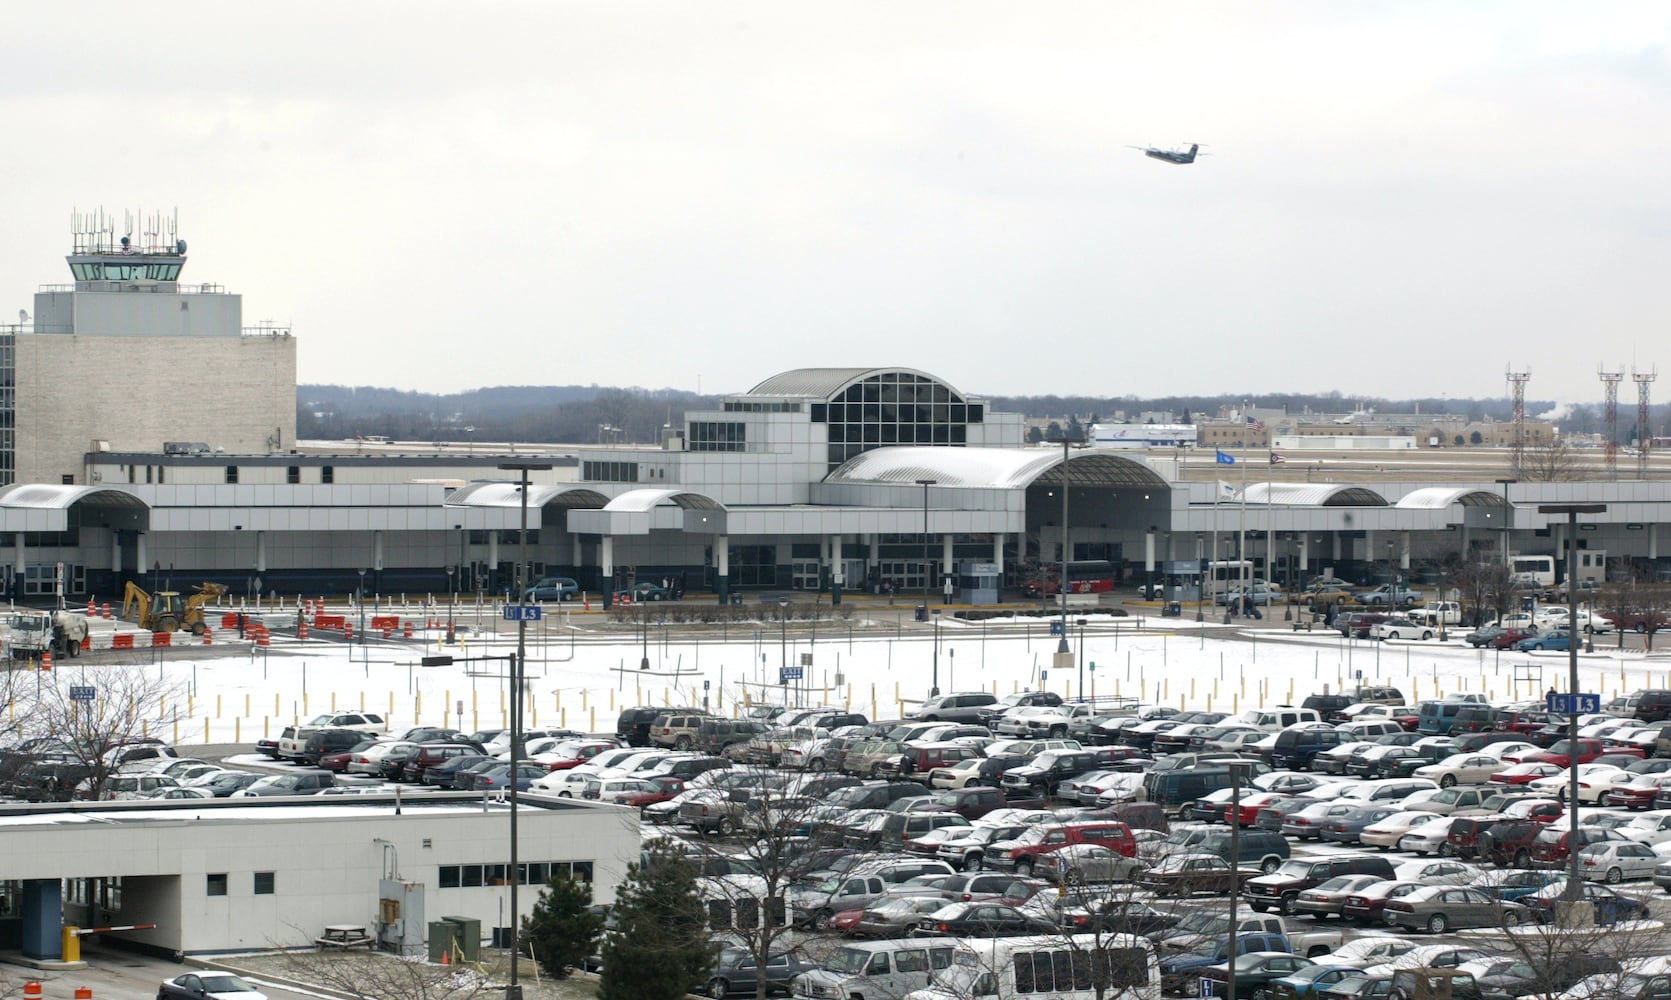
{"x": 447, "y": 957}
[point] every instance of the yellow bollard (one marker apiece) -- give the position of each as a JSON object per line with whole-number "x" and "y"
{"x": 191, "y": 705}
{"x": 238, "y": 730}
{"x": 246, "y": 704}
{"x": 1192, "y": 687}
{"x": 391, "y": 713}
{"x": 333, "y": 701}
{"x": 418, "y": 707}
{"x": 584, "y": 707}
{"x": 594, "y": 727}
{"x": 206, "y": 740}
{"x": 1232, "y": 704}
{"x": 217, "y": 706}
{"x": 304, "y": 703}
{"x": 563, "y": 718}
{"x": 612, "y": 698}
{"x": 266, "y": 727}
{"x": 276, "y": 709}
{"x": 176, "y": 739}
{"x": 1209, "y": 703}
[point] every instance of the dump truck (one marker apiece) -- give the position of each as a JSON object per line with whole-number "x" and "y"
{"x": 168, "y": 610}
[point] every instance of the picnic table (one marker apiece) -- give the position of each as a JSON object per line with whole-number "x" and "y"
{"x": 345, "y": 936}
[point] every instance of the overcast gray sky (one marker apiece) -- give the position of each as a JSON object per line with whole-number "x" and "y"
{"x": 1403, "y": 198}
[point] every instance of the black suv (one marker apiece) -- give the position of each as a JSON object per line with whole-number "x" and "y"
{"x": 1328, "y": 705}
{"x": 1654, "y": 705}
{"x": 326, "y": 741}
{"x": 1283, "y": 886}
{"x": 1506, "y": 842}
{"x": 1260, "y": 848}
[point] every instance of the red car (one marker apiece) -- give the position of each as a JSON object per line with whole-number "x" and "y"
{"x": 665, "y": 789}
{"x": 1251, "y": 804}
{"x": 1523, "y": 774}
{"x": 337, "y": 761}
{"x": 1508, "y": 638}
{"x": 577, "y": 754}
{"x": 1561, "y": 754}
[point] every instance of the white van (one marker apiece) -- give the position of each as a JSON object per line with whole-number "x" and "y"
{"x": 1273, "y": 720}
{"x": 1060, "y": 967}
{"x": 875, "y": 970}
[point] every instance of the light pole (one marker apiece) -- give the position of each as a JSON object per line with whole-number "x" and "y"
{"x": 1062, "y": 584}
{"x": 1201, "y": 578}
{"x": 1508, "y": 515}
{"x": 1574, "y": 891}
{"x": 1229, "y": 603}
{"x": 513, "y": 991}
{"x": 1392, "y": 578}
{"x": 1081, "y": 688}
{"x": 783, "y": 644}
{"x": 1238, "y": 773}
{"x": 934, "y": 687}
{"x": 361, "y": 597}
{"x": 926, "y": 484}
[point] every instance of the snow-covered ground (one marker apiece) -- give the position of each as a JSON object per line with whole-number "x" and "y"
{"x": 581, "y": 671}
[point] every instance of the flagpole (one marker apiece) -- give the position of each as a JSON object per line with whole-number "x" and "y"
{"x": 1241, "y": 530}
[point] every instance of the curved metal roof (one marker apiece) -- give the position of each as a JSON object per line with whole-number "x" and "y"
{"x": 1440, "y": 497}
{"x": 829, "y": 382}
{"x": 643, "y": 500}
{"x": 497, "y": 494}
{"x": 42, "y": 496}
{"x": 1313, "y": 495}
{"x": 994, "y": 468}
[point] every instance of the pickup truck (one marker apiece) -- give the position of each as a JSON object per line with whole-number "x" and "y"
{"x": 1043, "y": 720}
{"x": 1561, "y": 753}
{"x": 1434, "y": 612}
{"x": 1199, "y": 926}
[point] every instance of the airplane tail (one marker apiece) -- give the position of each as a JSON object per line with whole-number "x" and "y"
{"x": 1192, "y": 148}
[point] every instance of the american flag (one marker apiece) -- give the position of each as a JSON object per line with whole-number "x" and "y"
{"x": 1257, "y": 425}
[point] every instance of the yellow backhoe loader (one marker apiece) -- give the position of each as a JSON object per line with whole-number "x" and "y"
{"x": 166, "y": 610}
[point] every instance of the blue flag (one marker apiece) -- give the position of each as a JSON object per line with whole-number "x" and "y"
{"x": 1224, "y": 459}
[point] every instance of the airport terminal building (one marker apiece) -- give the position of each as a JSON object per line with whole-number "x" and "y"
{"x": 829, "y": 479}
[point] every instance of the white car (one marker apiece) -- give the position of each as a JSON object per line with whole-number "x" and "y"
{"x": 1088, "y": 789}
{"x": 1370, "y": 949}
{"x": 1613, "y": 861}
{"x": 1439, "y": 872}
{"x": 1428, "y": 838}
{"x": 370, "y": 760}
{"x": 1651, "y": 828}
{"x": 617, "y": 789}
{"x": 1401, "y": 628}
{"x": 1594, "y": 781}
{"x": 1387, "y": 833}
{"x": 962, "y": 774}
{"x": 1462, "y": 769}
{"x": 210, "y": 985}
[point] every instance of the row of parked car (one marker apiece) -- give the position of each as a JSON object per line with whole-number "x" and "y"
{"x": 1096, "y": 833}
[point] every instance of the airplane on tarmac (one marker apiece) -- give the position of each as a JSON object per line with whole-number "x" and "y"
{"x": 1177, "y": 156}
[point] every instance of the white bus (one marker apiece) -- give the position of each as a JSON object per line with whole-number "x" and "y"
{"x": 1048, "y": 967}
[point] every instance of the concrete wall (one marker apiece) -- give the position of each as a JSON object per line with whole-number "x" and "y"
{"x": 235, "y": 393}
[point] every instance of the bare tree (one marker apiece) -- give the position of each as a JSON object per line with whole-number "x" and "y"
{"x": 1553, "y": 461}
{"x": 1486, "y": 587}
{"x": 375, "y": 976}
{"x": 748, "y": 886}
{"x": 1563, "y": 951}
{"x": 122, "y": 704}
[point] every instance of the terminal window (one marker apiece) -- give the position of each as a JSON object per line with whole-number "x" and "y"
{"x": 216, "y": 884}
{"x": 263, "y": 883}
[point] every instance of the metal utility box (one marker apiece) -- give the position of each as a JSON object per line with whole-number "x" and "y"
{"x": 468, "y": 931}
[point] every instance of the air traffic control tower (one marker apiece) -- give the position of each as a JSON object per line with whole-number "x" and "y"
{"x": 128, "y": 357}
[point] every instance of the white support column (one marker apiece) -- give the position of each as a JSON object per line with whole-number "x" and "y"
{"x": 722, "y": 555}
{"x": 998, "y": 552}
{"x": 1337, "y": 546}
{"x": 606, "y": 559}
{"x": 261, "y": 551}
{"x": 1653, "y": 546}
{"x": 492, "y": 551}
{"x": 18, "y": 570}
{"x": 139, "y": 552}
{"x": 376, "y": 551}
{"x": 1305, "y": 557}
{"x": 837, "y": 570}
{"x": 115, "y": 551}
{"x": 1404, "y": 551}
{"x": 946, "y": 555}
{"x": 574, "y": 551}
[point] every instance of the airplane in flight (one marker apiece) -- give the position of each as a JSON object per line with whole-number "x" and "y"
{"x": 1178, "y": 156}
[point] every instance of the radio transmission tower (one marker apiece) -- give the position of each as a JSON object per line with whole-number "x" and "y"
{"x": 1517, "y": 390}
{"x": 1610, "y": 385}
{"x": 1643, "y": 381}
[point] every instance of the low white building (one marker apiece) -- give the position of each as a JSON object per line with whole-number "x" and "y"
{"x": 217, "y": 876}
